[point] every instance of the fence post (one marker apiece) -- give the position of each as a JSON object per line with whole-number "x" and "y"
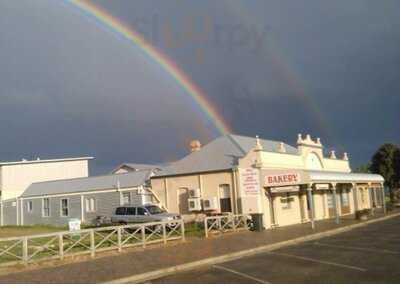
{"x": 234, "y": 223}
{"x": 25, "y": 256}
{"x": 92, "y": 244}
{"x": 219, "y": 224}
{"x": 164, "y": 229}
{"x": 183, "y": 231}
{"x": 119, "y": 239}
{"x": 206, "y": 227}
{"x": 61, "y": 246}
{"x": 245, "y": 222}
{"x": 143, "y": 236}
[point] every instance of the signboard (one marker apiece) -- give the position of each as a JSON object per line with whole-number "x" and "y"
{"x": 282, "y": 189}
{"x": 249, "y": 181}
{"x": 324, "y": 186}
{"x": 74, "y": 225}
{"x": 282, "y": 179}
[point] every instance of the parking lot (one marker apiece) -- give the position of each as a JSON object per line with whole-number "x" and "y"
{"x": 367, "y": 255}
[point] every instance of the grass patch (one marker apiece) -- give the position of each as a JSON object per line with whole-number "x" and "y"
{"x": 19, "y": 231}
{"x": 194, "y": 229}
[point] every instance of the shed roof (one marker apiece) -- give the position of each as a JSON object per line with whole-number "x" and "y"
{"x": 126, "y": 180}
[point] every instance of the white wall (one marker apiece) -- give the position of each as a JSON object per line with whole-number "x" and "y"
{"x": 16, "y": 178}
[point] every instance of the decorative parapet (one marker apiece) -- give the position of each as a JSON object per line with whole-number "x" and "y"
{"x": 281, "y": 148}
{"x": 332, "y": 155}
{"x": 258, "y": 146}
{"x": 345, "y": 156}
{"x": 308, "y": 141}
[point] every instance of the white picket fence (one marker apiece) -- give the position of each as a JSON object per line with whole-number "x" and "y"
{"x": 89, "y": 241}
{"x": 225, "y": 223}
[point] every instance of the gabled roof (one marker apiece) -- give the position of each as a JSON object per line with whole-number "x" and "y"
{"x": 126, "y": 180}
{"x": 220, "y": 154}
{"x": 137, "y": 167}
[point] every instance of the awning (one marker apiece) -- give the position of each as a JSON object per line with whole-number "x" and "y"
{"x": 282, "y": 178}
{"x": 323, "y": 176}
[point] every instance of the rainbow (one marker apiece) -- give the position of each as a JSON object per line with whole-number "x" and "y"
{"x": 103, "y": 17}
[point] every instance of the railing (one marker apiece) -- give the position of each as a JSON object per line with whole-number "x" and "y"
{"x": 89, "y": 241}
{"x": 228, "y": 223}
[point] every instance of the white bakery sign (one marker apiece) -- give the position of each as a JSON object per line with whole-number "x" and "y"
{"x": 249, "y": 181}
{"x": 282, "y": 179}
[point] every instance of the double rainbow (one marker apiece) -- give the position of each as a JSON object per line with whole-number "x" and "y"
{"x": 103, "y": 17}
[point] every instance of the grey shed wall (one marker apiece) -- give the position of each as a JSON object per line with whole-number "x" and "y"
{"x": 55, "y": 218}
{"x": 10, "y": 212}
{"x": 106, "y": 203}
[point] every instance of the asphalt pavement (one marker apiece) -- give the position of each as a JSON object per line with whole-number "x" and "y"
{"x": 369, "y": 254}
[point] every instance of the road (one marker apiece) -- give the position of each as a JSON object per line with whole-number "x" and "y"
{"x": 367, "y": 255}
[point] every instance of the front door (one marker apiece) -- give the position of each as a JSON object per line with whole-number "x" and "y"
{"x": 344, "y": 201}
{"x": 331, "y": 204}
{"x": 183, "y": 204}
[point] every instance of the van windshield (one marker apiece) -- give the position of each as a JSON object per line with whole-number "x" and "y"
{"x": 154, "y": 209}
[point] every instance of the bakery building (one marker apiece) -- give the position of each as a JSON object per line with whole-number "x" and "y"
{"x": 286, "y": 184}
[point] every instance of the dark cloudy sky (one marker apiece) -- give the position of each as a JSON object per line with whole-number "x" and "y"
{"x": 70, "y": 87}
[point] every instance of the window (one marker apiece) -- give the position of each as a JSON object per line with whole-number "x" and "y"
{"x": 344, "y": 198}
{"x": 131, "y": 211}
{"x": 90, "y": 204}
{"x": 154, "y": 209}
{"x": 225, "y": 198}
{"x": 141, "y": 211}
{"x": 286, "y": 201}
{"x": 126, "y": 198}
{"x": 46, "y": 207}
{"x": 64, "y": 207}
{"x": 120, "y": 211}
{"x": 29, "y": 206}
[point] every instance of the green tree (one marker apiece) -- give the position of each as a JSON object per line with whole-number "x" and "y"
{"x": 397, "y": 167}
{"x": 365, "y": 169}
{"x": 383, "y": 163}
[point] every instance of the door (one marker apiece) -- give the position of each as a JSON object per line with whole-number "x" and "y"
{"x": 225, "y": 198}
{"x": 183, "y": 204}
{"x": 344, "y": 201}
{"x": 331, "y": 204}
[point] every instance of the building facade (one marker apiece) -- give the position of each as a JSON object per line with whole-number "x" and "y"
{"x": 57, "y": 202}
{"x": 16, "y": 177}
{"x": 287, "y": 185}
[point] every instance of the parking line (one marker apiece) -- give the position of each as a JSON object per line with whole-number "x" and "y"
{"x": 241, "y": 274}
{"x": 358, "y": 248}
{"x": 320, "y": 261}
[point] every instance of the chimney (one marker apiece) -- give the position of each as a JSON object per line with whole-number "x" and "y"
{"x": 195, "y": 145}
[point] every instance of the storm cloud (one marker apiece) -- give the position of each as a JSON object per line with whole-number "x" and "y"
{"x": 70, "y": 87}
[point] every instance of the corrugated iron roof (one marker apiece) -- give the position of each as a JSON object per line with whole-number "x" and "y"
{"x": 126, "y": 180}
{"x": 220, "y": 154}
